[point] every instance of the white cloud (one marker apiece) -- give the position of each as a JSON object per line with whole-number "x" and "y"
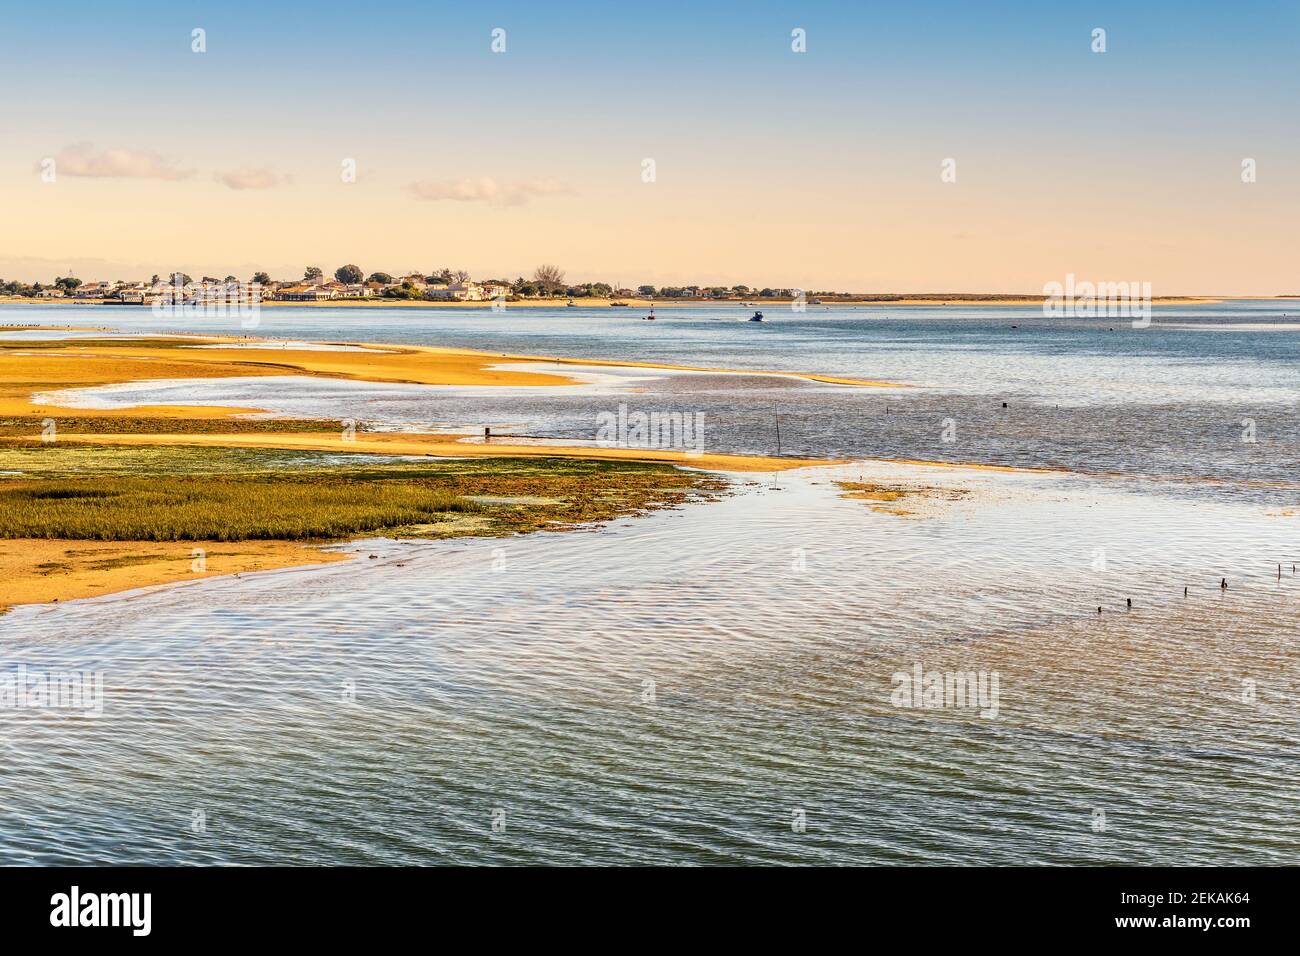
{"x": 486, "y": 189}
{"x": 249, "y": 178}
{"x": 81, "y": 159}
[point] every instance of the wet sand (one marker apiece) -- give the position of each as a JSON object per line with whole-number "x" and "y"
{"x": 43, "y": 571}
{"x": 39, "y": 571}
{"x": 448, "y": 446}
{"x": 25, "y": 373}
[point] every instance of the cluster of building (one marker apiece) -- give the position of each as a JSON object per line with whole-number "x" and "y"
{"x": 325, "y": 290}
{"x": 317, "y": 288}
{"x": 231, "y": 289}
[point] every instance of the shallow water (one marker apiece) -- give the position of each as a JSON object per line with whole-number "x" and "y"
{"x": 677, "y": 688}
{"x": 1160, "y": 402}
{"x": 515, "y": 675}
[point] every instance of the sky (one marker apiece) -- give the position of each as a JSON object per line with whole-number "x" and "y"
{"x": 819, "y": 170}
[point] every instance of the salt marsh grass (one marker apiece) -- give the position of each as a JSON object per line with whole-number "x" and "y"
{"x": 181, "y": 493}
{"x": 216, "y": 508}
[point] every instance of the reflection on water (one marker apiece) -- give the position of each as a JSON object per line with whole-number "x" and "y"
{"x": 672, "y": 689}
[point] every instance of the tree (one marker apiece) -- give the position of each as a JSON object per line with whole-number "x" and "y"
{"x": 549, "y": 278}
{"x": 407, "y": 290}
{"x": 645, "y": 290}
{"x": 383, "y": 277}
{"x": 261, "y": 278}
{"x": 313, "y": 274}
{"x": 348, "y": 274}
{"x": 66, "y": 283}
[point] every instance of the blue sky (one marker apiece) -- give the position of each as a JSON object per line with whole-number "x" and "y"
{"x": 715, "y": 95}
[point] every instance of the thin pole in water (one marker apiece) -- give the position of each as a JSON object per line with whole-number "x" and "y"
{"x": 778, "y": 431}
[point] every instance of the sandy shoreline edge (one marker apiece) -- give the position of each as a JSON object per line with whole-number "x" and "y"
{"x": 41, "y": 570}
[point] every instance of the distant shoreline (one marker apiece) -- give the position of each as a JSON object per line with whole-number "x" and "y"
{"x": 966, "y": 299}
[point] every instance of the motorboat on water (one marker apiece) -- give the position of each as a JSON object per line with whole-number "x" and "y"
{"x": 756, "y": 317}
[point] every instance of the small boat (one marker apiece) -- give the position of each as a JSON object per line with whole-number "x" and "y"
{"x": 571, "y": 305}
{"x": 756, "y": 317}
{"x": 616, "y": 305}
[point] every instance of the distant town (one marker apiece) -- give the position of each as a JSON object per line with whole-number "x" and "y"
{"x": 349, "y": 282}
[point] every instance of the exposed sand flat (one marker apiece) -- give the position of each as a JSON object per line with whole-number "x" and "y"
{"x": 23, "y": 373}
{"x": 807, "y": 376}
{"x": 18, "y": 327}
{"x": 428, "y": 365}
{"x": 446, "y": 446}
{"x": 37, "y": 571}
{"x": 1009, "y": 469}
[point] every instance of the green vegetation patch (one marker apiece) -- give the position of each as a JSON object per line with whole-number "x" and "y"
{"x": 214, "y": 509}
{"x": 181, "y": 494}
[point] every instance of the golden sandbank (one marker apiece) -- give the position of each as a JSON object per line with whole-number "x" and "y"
{"x": 39, "y": 571}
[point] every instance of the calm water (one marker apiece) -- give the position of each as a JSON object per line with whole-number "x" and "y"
{"x": 1097, "y": 396}
{"x": 715, "y": 684}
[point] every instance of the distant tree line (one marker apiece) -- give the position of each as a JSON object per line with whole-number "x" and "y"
{"x": 547, "y": 280}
